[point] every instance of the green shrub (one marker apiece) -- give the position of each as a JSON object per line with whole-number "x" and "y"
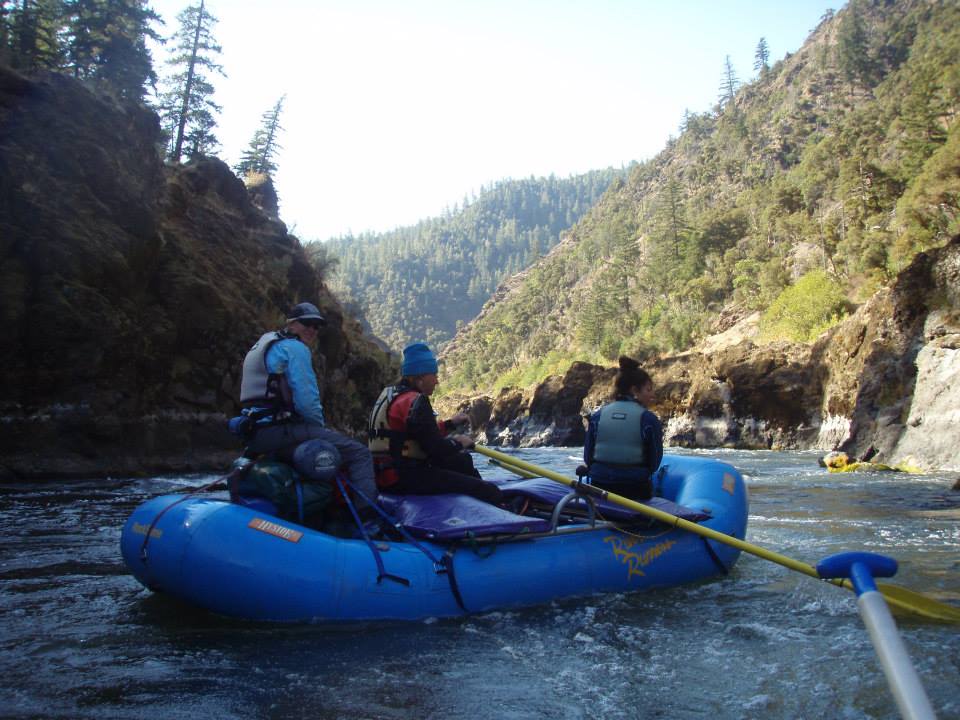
{"x": 805, "y": 309}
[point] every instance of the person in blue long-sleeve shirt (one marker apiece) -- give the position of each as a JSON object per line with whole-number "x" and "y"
{"x": 281, "y": 397}
{"x": 624, "y": 444}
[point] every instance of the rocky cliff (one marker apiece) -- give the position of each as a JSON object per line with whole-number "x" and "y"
{"x": 891, "y": 372}
{"x": 130, "y": 291}
{"x": 883, "y": 385}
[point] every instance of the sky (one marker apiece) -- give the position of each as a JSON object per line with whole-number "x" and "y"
{"x": 397, "y": 110}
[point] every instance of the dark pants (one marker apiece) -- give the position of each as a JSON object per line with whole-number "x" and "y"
{"x": 283, "y": 440}
{"x": 456, "y": 476}
{"x": 635, "y": 491}
{"x": 633, "y": 483}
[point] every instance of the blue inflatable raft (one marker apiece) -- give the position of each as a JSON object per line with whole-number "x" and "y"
{"x": 460, "y": 555}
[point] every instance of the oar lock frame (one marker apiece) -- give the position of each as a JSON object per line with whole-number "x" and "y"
{"x": 571, "y": 497}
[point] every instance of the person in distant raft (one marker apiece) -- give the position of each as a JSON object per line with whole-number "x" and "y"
{"x": 413, "y": 453}
{"x": 281, "y": 399}
{"x": 624, "y": 444}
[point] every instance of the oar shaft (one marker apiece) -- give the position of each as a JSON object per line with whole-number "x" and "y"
{"x": 904, "y": 682}
{"x": 512, "y": 468}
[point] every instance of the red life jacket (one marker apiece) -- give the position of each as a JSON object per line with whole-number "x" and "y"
{"x": 388, "y": 438}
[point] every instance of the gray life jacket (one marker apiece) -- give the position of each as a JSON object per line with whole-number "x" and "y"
{"x": 261, "y": 388}
{"x": 619, "y": 438}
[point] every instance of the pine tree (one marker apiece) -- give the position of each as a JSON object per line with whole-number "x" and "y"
{"x": 728, "y": 88}
{"x": 33, "y": 29}
{"x": 106, "y": 42}
{"x": 761, "y": 58}
{"x": 923, "y": 114}
{"x": 198, "y": 138}
{"x": 258, "y": 157}
{"x": 83, "y": 26}
{"x": 187, "y": 108}
{"x": 672, "y": 214}
{"x": 853, "y": 47}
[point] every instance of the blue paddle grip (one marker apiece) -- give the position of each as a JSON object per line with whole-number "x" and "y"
{"x": 860, "y": 567}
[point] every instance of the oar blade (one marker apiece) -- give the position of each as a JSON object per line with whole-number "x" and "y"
{"x": 908, "y": 603}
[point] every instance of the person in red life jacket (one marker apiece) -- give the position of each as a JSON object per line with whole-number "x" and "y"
{"x": 281, "y": 398}
{"x": 413, "y": 453}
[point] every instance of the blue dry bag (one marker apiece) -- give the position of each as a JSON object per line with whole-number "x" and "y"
{"x": 317, "y": 460}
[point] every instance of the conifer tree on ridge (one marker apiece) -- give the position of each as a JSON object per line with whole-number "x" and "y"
{"x": 187, "y": 108}
{"x": 761, "y": 57}
{"x": 258, "y": 157}
{"x": 728, "y": 88}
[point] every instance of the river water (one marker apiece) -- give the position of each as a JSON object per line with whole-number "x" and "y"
{"x": 82, "y": 639}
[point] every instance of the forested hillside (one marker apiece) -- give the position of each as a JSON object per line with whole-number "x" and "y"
{"x": 421, "y": 282}
{"x": 798, "y": 195}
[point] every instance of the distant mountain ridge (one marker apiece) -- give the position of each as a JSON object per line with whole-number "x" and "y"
{"x": 421, "y": 282}
{"x": 813, "y": 186}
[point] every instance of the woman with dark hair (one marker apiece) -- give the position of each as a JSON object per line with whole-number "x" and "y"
{"x": 624, "y": 444}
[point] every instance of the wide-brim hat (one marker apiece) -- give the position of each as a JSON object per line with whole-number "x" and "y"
{"x": 306, "y": 311}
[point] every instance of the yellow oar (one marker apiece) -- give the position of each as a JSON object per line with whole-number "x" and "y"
{"x": 898, "y": 597}
{"x": 514, "y": 470}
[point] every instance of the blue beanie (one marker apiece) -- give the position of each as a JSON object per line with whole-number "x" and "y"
{"x": 418, "y": 360}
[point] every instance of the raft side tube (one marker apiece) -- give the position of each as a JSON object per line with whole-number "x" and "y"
{"x": 237, "y": 562}
{"x": 715, "y": 487}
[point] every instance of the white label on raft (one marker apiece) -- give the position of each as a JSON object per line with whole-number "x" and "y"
{"x": 454, "y": 521}
{"x": 272, "y": 528}
{"x": 729, "y": 483}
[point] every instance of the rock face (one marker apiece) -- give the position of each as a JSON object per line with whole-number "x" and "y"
{"x": 549, "y": 414}
{"x": 130, "y": 291}
{"x": 746, "y": 396}
{"x": 893, "y": 369}
{"x": 884, "y": 385}
{"x": 262, "y": 193}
